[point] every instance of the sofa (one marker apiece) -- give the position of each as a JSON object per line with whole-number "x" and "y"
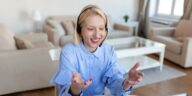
{"x": 60, "y": 29}
{"x": 178, "y": 41}
{"x": 24, "y": 61}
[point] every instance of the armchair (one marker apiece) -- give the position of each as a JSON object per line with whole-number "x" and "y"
{"x": 178, "y": 41}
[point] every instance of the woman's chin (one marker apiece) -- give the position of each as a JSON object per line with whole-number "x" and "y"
{"x": 95, "y": 45}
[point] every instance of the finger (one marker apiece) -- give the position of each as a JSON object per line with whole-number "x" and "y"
{"x": 138, "y": 80}
{"x": 139, "y": 77}
{"x": 135, "y": 76}
{"x": 77, "y": 81}
{"x": 129, "y": 82}
{"x": 87, "y": 83}
{"x": 78, "y": 85}
{"x": 135, "y": 66}
{"x": 76, "y": 76}
{"x": 141, "y": 74}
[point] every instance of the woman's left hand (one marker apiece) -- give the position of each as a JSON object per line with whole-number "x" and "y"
{"x": 134, "y": 77}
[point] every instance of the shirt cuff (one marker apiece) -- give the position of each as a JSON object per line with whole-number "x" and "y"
{"x": 120, "y": 91}
{"x": 127, "y": 92}
{"x": 65, "y": 92}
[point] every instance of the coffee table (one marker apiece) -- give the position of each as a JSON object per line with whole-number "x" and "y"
{"x": 131, "y": 50}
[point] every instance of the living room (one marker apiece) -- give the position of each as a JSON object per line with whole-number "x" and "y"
{"x": 26, "y": 66}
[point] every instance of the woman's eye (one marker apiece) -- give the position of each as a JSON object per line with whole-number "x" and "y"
{"x": 90, "y": 29}
{"x": 101, "y": 29}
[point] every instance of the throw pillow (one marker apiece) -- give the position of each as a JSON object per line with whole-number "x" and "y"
{"x": 69, "y": 27}
{"x": 184, "y": 29}
{"x": 57, "y": 25}
{"x": 7, "y": 41}
{"x": 23, "y": 44}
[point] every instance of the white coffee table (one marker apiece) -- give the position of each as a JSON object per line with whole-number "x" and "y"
{"x": 131, "y": 50}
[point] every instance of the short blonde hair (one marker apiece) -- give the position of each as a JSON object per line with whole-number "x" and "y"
{"x": 86, "y": 12}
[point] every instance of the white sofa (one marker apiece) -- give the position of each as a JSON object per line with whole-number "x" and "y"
{"x": 24, "y": 69}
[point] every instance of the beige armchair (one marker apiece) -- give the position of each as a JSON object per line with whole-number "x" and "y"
{"x": 178, "y": 41}
{"x": 60, "y": 29}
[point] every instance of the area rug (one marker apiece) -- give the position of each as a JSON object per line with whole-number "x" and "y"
{"x": 155, "y": 75}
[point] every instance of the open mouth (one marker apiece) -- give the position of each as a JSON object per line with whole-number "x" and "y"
{"x": 95, "y": 40}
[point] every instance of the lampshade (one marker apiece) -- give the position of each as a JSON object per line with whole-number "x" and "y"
{"x": 36, "y": 15}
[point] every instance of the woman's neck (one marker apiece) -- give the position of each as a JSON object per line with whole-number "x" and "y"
{"x": 91, "y": 50}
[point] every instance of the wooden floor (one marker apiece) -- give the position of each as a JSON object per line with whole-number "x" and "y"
{"x": 169, "y": 87}
{"x": 165, "y": 88}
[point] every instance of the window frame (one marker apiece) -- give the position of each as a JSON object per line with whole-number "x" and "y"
{"x": 171, "y": 15}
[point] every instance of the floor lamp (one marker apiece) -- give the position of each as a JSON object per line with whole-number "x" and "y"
{"x": 37, "y": 21}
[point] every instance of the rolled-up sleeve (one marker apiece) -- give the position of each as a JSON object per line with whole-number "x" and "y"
{"x": 113, "y": 77}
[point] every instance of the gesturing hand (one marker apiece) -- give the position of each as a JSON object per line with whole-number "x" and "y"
{"x": 77, "y": 83}
{"x": 134, "y": 77}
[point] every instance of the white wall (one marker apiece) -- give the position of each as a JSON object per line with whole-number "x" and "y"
{"x": 16, "y": 14}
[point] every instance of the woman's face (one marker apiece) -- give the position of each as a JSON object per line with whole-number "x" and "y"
{"x": 93, "y": 32}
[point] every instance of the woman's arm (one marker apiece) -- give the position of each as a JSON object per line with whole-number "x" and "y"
{"x": 113, "y": 77}
{"x": 63, "y": 76}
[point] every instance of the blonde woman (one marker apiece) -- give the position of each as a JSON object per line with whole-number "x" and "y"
{"x": 88, "y": 65}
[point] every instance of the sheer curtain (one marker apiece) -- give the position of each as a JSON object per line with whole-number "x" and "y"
{"x": 187, "y": 9}
{"x": 143, "y": 17}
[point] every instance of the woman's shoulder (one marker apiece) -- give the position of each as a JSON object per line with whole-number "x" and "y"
{"x": 107, "y": 47}
{"x": 69, "y": 47}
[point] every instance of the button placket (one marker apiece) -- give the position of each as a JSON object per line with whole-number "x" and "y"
{"x": 91, "y": 65}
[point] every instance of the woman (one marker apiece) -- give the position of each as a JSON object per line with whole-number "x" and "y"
{"x": 87, "y": 66}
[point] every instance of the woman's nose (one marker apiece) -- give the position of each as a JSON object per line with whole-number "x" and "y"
{"x": 97, "y": 34}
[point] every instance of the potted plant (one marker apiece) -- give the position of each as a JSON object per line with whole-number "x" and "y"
{"x": 126, "y": 17}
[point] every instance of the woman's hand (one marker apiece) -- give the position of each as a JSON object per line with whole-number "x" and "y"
{"x": 134, "y": 77}
{"x": 77, "y": 83}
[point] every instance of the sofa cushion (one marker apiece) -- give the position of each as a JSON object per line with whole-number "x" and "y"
{"x": 57, "y": 25}
{"x": 7, "y": 41}
{"x": 34, "y": 37}
{"x": 118, "y": 34}
{"x": 171, "y": 44}
{"x": 68, "y": 26}
{"x": 184, "y": 29}
{"x": 23, "y": 44}
{"x": 42, "y": 45}
{"x": 66, "y": 39}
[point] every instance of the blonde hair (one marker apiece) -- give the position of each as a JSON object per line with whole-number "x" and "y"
{"x": 86, "y": 12}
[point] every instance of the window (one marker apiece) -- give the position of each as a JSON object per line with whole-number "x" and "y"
{"x": 169, "y": 8}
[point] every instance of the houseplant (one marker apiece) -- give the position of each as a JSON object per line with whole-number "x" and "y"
{"x": 126, "y": 17}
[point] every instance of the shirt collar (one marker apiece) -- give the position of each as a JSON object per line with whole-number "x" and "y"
{"x": 96, "y": 53}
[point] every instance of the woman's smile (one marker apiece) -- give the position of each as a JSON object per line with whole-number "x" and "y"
{"x": 95, "y": 40}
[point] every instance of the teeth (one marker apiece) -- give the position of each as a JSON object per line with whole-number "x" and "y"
{"x": 95, "y": 40}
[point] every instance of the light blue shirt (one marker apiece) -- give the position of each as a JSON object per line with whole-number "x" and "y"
{"x": 101, "y": 65}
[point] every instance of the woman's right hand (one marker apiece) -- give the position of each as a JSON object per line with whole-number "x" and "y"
{"x": 78, "y": 84}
